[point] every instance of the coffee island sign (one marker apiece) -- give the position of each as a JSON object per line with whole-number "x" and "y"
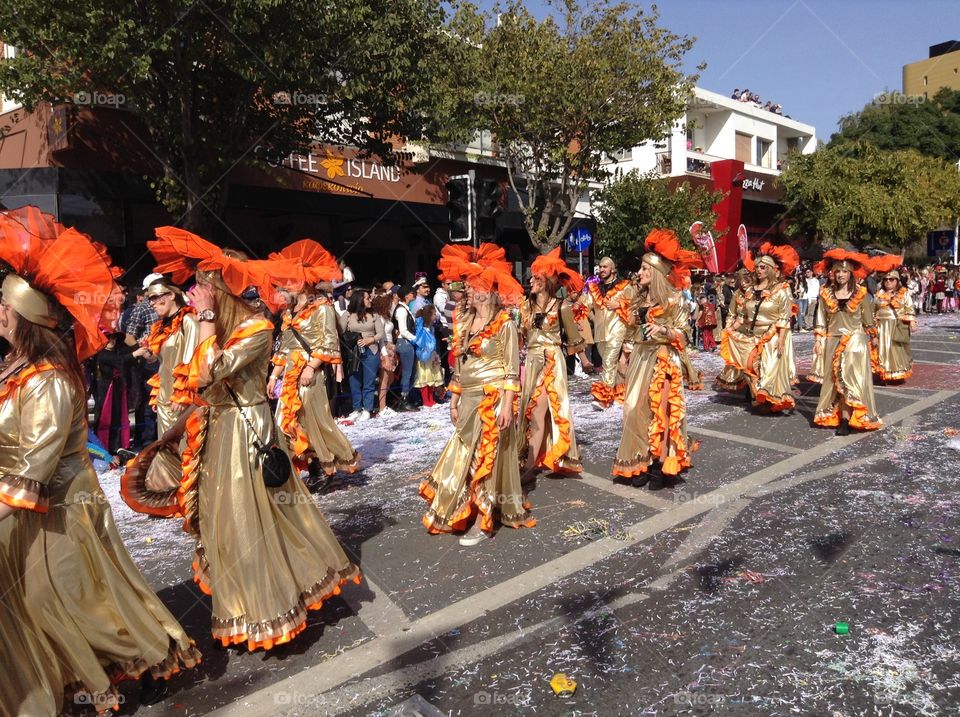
{"x": 341, "y": 174}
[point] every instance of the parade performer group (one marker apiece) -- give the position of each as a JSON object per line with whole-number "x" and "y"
{"x": 77, "y": 615}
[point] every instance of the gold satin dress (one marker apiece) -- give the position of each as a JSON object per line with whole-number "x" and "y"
{"x": 732, "y": 379}
{"x": 32, "y": 684}
{"x": 303, "y": 414}
{"x": 656, "y": 371}
{"x": 477, "y": 476}
{"x": 76, "y": 580}
{"x": 753, "y": 348}
{"x": 894, "y": 312}
{"x": 266, "y": 555}
{"x": 843, "y": 329}
{"x": 150, "y": 482}
{"x": 610, "y": 331}
{"x": 545, "y": 371}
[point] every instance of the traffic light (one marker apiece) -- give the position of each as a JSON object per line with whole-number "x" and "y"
{"x": 488, "y": 207}
{"x": 488, "y": 198}
{"x": 458, "y": 208}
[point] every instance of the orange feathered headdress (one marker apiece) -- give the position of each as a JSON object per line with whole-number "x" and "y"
{"x": 484, "y": 268}
{"x": 49, "y": 261}
{"x": 551, "y": 264}
{"x": 783, "y": 257}
{"x": 665, "y": 255}
{"x": 885, "y": 264}
{"x": 318, "y": 264}
{"x": 183, "y": 254}
{"x": 859, "y": 264}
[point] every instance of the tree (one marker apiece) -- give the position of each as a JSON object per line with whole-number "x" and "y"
{"x": 865, "y": 196}
{"x": 896, "y": 121}
{"x": 216, "y": 84}
{"x": 561, "y": 94}
{"x": 627, "y": 209}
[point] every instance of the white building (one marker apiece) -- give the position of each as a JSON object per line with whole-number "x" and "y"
{"x": 717, "y": 127}
{"x": 7, "y": 104}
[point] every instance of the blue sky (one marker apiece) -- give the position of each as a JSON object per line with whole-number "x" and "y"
{"x": 820, "y": 59}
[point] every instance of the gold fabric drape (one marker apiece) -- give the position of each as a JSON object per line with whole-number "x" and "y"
{"x": 150, "y": 483}
{"x": 755, "y": 347}
{"x": 76, "y": 579}
{"x": 477, "y": 476}
{"x": 732, "y": 379}
{"x": 654, "y": 409}
{"x": 266, "y": 555}
{"x": 545, "y": 378}
{"x": 609, "y": 305}
{"x": 893, "y": 313}
{"x": 844, "y": 365}
{"x": 303, "y": 415}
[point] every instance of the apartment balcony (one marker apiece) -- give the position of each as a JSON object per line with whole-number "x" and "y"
{"x": 697, "y": 164}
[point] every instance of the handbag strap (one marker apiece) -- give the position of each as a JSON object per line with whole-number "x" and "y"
{"x": 257, "y": 443}
{"x": 302, "y": 341}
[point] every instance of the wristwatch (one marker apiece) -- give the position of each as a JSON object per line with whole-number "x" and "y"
{"x": 207, "y": 315}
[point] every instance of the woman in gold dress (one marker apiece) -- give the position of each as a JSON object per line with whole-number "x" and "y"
{"x": 896, "y": 318}
{"x": 549, "y": 331}
{"x": 654, "y": 443}
{"x": 264, "y": 554}
{"x": 732, "y": 379}
{"x": 150, "y": 482}
{"x": 309, "y": 339}
{"x": 476, "y": 481}
{"x": 75, "y": 579}
{"x": 759, "y": 342}
{"x": 845, "y": 335}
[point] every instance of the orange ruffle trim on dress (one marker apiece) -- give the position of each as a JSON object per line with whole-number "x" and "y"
{"x": 600, "y": 301}
{"x": 858, "y": 411}
{"x": 20, "y": 491}
{"x": 603, "y": 393}
{"x": 667, "y": 417}
{"x": 481, "y": 466}
{"x": 551, "y": 459}
{"x": 776, "y": 403}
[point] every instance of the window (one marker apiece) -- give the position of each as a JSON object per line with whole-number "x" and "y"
{"x": 743, "y": 148}
{"x": 764, "y": 147}
{"x": 622, "y": 155}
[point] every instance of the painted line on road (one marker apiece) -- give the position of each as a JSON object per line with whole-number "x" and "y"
{"x": 382, "y": 616}
{"x": 338, "y": 670}
{"x": 643, "y": 497}
{"x": 756, "y": 442}
{"x": 921, "y": 350}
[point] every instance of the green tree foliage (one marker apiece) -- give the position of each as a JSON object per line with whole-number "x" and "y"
{"x": 223, "y": 82}
{"x": 627, "y": 209}
{"x": 896, "y": 121}
{"x": 560, "y": 94}
{"x": 864, "y": 196}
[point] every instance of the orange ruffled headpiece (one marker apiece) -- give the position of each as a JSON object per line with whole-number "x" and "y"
{"x": 183, "y": 254}
{"x": 859, "y": 264}
{"x": 484, "y": 268}
{"x": 665, "y": 255}
{"x": 885, "y": 264}
{"x": 783, "y": 257}
{"x": 51, "y": 262}
{"x": 317, "y": 263}
{"x": 551, "y": 264}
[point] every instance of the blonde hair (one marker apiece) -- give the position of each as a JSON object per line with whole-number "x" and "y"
{"x": 659, "y": 291}
{"x": 231, "y": 310}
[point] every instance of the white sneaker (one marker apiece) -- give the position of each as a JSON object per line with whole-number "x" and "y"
{"x": 388, "y": 412}
{"x": 597, "y": 406}
{"x": 473, "y": 536}
{"x": 352, "y": 416}
{"x": 364, "y": 416}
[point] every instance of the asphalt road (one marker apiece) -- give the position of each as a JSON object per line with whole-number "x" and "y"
{"x": 718, "y": 596}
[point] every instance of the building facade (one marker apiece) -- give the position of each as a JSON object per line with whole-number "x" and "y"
{"x": 941, "y": 69}
{"x": 730, "y": 146}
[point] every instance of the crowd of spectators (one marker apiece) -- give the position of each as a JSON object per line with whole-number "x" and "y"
{"x": 754, "y": 99}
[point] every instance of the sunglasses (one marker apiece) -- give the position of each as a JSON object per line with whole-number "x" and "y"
{"x": 158, "y": 298}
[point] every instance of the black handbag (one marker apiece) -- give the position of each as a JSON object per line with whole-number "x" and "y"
{"x": 350, "y": 351}
{"x": 275, "y": 466}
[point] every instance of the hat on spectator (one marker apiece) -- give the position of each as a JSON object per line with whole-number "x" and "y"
{"x": 149, "y": 279}
{"x": 421, "y": 281}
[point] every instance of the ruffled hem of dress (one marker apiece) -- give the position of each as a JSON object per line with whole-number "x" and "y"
{"x": 24, "y": 493}
{"x": 134, "y": 491}
{"x": 556, "y": 459}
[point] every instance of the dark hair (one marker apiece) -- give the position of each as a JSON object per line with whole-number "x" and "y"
{"x": 382, "y": 304}
{"x": 38, "y": 343}
{"x": 355, "y": 306}
{"x": 429, "y": 313}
